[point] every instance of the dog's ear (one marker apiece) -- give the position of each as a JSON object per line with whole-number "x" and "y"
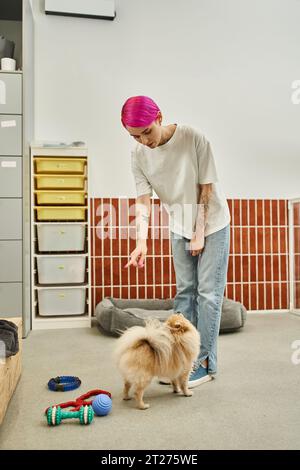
{"x": 177, "y": 326}
{"x": 176, "y": 322}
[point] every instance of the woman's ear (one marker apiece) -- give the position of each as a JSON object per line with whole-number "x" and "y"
{"x": 159, "y": 118}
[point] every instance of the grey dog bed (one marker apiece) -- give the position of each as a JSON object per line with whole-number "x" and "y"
{"x": 116, "y": 315}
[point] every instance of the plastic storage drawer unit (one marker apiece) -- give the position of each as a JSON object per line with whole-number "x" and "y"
{"x": 60, "y": 181}
{"x": 60, "y": 197}
{"x": 57, "y": 302}
{"x": 61, "y": 213}
{"x": 60, "y": 165}
{"x": 61, "y": 269}
{"x": 61, "y": 237}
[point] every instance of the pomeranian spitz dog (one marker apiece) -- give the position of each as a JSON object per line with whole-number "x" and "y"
{"x": 159, "y": 349}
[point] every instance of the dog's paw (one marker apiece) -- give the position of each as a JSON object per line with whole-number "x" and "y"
{"x": 145, "y": 406}
{"x": 188, "y": 393}
{"x": 127, "y": 398}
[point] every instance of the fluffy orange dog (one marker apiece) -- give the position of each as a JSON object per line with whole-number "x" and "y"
{"x": 158, "y": 349}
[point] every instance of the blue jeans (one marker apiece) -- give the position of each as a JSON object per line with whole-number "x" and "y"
{"x": 200, "y": 284}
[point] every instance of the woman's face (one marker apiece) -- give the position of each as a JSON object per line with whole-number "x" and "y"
{"x": 149, "y": 135}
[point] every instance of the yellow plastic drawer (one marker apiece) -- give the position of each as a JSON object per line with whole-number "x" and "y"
{"x": 59, "y": 182}
{"x": 60, "y": 197}
{"x": 60, "y": 165}
{"x": 61, "y": 213}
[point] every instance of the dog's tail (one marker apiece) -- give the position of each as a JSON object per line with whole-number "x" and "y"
{"x": 153, "y": 335}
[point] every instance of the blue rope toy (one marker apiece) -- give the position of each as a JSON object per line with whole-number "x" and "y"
{"x": 64, "y": 383}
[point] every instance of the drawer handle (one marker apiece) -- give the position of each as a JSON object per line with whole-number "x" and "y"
{"x": 62, "y": 198}
{"x": 61, "y": 181}
{"x": 62, "y": 232}
{"x": 62, "y": 296}
{"x": 61, "y": 266}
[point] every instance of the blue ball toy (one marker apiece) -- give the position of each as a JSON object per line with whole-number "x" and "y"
{"x": 102, "y": 404}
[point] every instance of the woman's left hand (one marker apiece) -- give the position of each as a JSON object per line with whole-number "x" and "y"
{"x": 196, "y": 246}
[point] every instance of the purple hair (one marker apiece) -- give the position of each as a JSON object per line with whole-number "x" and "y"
{"x": 139, "y": 111}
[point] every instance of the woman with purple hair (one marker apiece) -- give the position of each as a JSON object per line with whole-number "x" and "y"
{"x": 176, "y": 161}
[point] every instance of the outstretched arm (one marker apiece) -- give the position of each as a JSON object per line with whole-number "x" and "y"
{"x": 143, "y": 210}
{"x": 197, "y": 242}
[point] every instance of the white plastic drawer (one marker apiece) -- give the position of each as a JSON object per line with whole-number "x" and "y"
{"x": 56, "y": 302}
{"x": 61, "y": 237}
{"x": 61, "y": 269}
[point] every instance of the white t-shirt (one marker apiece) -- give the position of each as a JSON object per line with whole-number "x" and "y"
{"x": 174, "y": 170}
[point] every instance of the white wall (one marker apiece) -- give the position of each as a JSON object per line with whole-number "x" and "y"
{"x": 223, "y": 66}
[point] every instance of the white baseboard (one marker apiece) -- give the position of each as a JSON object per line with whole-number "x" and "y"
{"x": 270, "y": 311}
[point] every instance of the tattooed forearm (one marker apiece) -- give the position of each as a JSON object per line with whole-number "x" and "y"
{"x": 142, "y": 220}
{"x": 204, "y": 202}
{"x": 203, "y": 205}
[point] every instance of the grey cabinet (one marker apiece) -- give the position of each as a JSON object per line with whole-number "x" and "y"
{"x": 11, "y": 195}
{"x": 16, "y": 135}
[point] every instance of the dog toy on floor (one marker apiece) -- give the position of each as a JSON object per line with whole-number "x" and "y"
{"x": 55, "y": 415}
{"x": 101, "y": 405}
{"x": 64, "y": 383}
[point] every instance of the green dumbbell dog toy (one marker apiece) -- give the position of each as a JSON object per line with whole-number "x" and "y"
{"x": 55, "y": 415}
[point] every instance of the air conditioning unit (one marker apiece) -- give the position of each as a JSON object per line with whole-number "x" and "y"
{"x": 100, "y": 9}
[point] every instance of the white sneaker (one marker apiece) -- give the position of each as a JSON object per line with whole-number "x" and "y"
{"x": 199, "y": 376}
{"x": 164, "y": 381}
